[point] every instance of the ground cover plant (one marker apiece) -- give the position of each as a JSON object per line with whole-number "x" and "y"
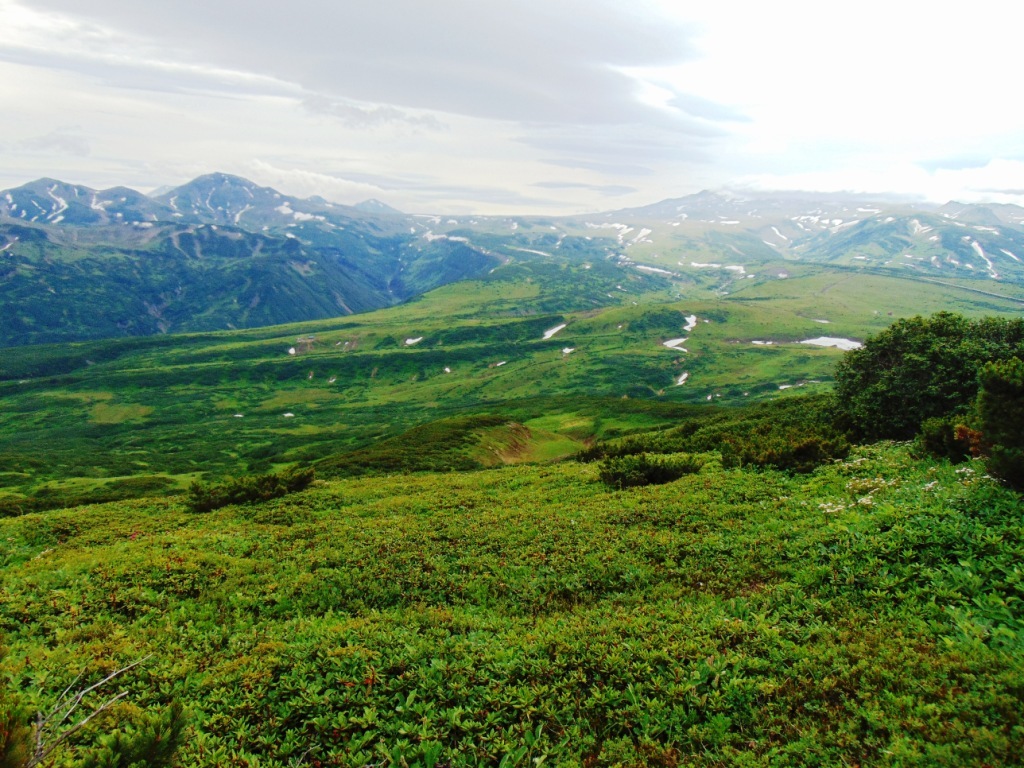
{"x": 866, "y": 612}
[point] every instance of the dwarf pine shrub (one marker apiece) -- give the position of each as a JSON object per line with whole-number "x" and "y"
{"x": 251, "y": 489}
{"x": 647, "y": 469}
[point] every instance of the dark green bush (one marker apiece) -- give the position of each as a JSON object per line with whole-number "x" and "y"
{"x": 918, "y": 368}
{"x": 251, "y": 489}
{"x": 790, "y": 448}
{"x": 1000, "y": 419}
{"x": 943, "y": 436}
{"x": 647, "y": 469}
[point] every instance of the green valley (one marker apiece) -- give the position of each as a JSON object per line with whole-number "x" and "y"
{"x": 93, "y": 417}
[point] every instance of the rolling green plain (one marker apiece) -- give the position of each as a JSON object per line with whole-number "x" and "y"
{"x": 457, "y": 589}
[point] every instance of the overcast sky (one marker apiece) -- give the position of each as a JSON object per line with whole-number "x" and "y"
{"x": 517, "y": 106}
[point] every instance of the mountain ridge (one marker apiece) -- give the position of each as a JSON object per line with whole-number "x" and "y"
{"x": 82, "y": 263}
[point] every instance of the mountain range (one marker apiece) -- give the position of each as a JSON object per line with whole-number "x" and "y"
{"x": 221, "y": 252}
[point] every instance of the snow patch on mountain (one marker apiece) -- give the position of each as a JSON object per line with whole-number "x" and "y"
{"x": 984, "y": 257}
{"x": 832, "y": 341}
{"x": 552, "y": 331}
{"x": 654, "y": 270}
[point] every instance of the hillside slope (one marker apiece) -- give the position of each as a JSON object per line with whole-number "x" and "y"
{"x": 78, "y": 264}
{"x": 868, "y": 613}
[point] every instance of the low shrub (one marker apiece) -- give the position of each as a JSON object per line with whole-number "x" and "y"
{"x": 795, "y": 434}
{"x": 1000, "y": 416}
{"x": 791, "y": 449}
{"x": 648, "y": 469}
{"x": 945, "y": 437}
{"x": 251, "y": 489}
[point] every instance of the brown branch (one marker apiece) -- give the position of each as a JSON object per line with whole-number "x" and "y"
{"x": 66, "y": 708}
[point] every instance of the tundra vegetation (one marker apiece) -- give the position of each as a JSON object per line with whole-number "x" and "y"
{"x": 779, "y": 583}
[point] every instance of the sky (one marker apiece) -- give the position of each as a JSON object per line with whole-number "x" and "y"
{"x": 517, "y": 106}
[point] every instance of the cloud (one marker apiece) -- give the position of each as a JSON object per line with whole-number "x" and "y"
{"x": 57, "y": 42}
{"x": 608, "y": 190}
{"x": 697, "y": 106}
{"x": 622, "y": 151}
{"x": 359, "y": 116}
{"x": 996, "y": 181}
{"x": 68, "y": 141}
{"x": 599, "y": 166}
{"x": 411, "y": 191}
{"x": 532, "y": 60}
{"x": 960, "y": 163}
{"x": 433, "y": 103}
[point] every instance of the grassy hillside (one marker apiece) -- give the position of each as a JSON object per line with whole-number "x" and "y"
{"x": 865, "y": 614}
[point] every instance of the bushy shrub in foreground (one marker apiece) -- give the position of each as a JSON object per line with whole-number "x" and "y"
{"x": 945, "y": 437}
{"x": 648, "y": 469}
{"x": 1000, "y": 419}
{"x": 204, "y": 497}
{"x": 917, "y": 369}
{"x": 993, "y": 429}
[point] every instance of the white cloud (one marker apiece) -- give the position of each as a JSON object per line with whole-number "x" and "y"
{"x": 537, "y": 105}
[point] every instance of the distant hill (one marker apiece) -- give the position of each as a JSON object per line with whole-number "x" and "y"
{"x": 220, "y": 198}
{"x": 48, "y": 201}
{"x": 219, "y": 252}
{"x": 898, "y": 235}
{"x": 222, "y": 252}
{"x": 376, "y": 206}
